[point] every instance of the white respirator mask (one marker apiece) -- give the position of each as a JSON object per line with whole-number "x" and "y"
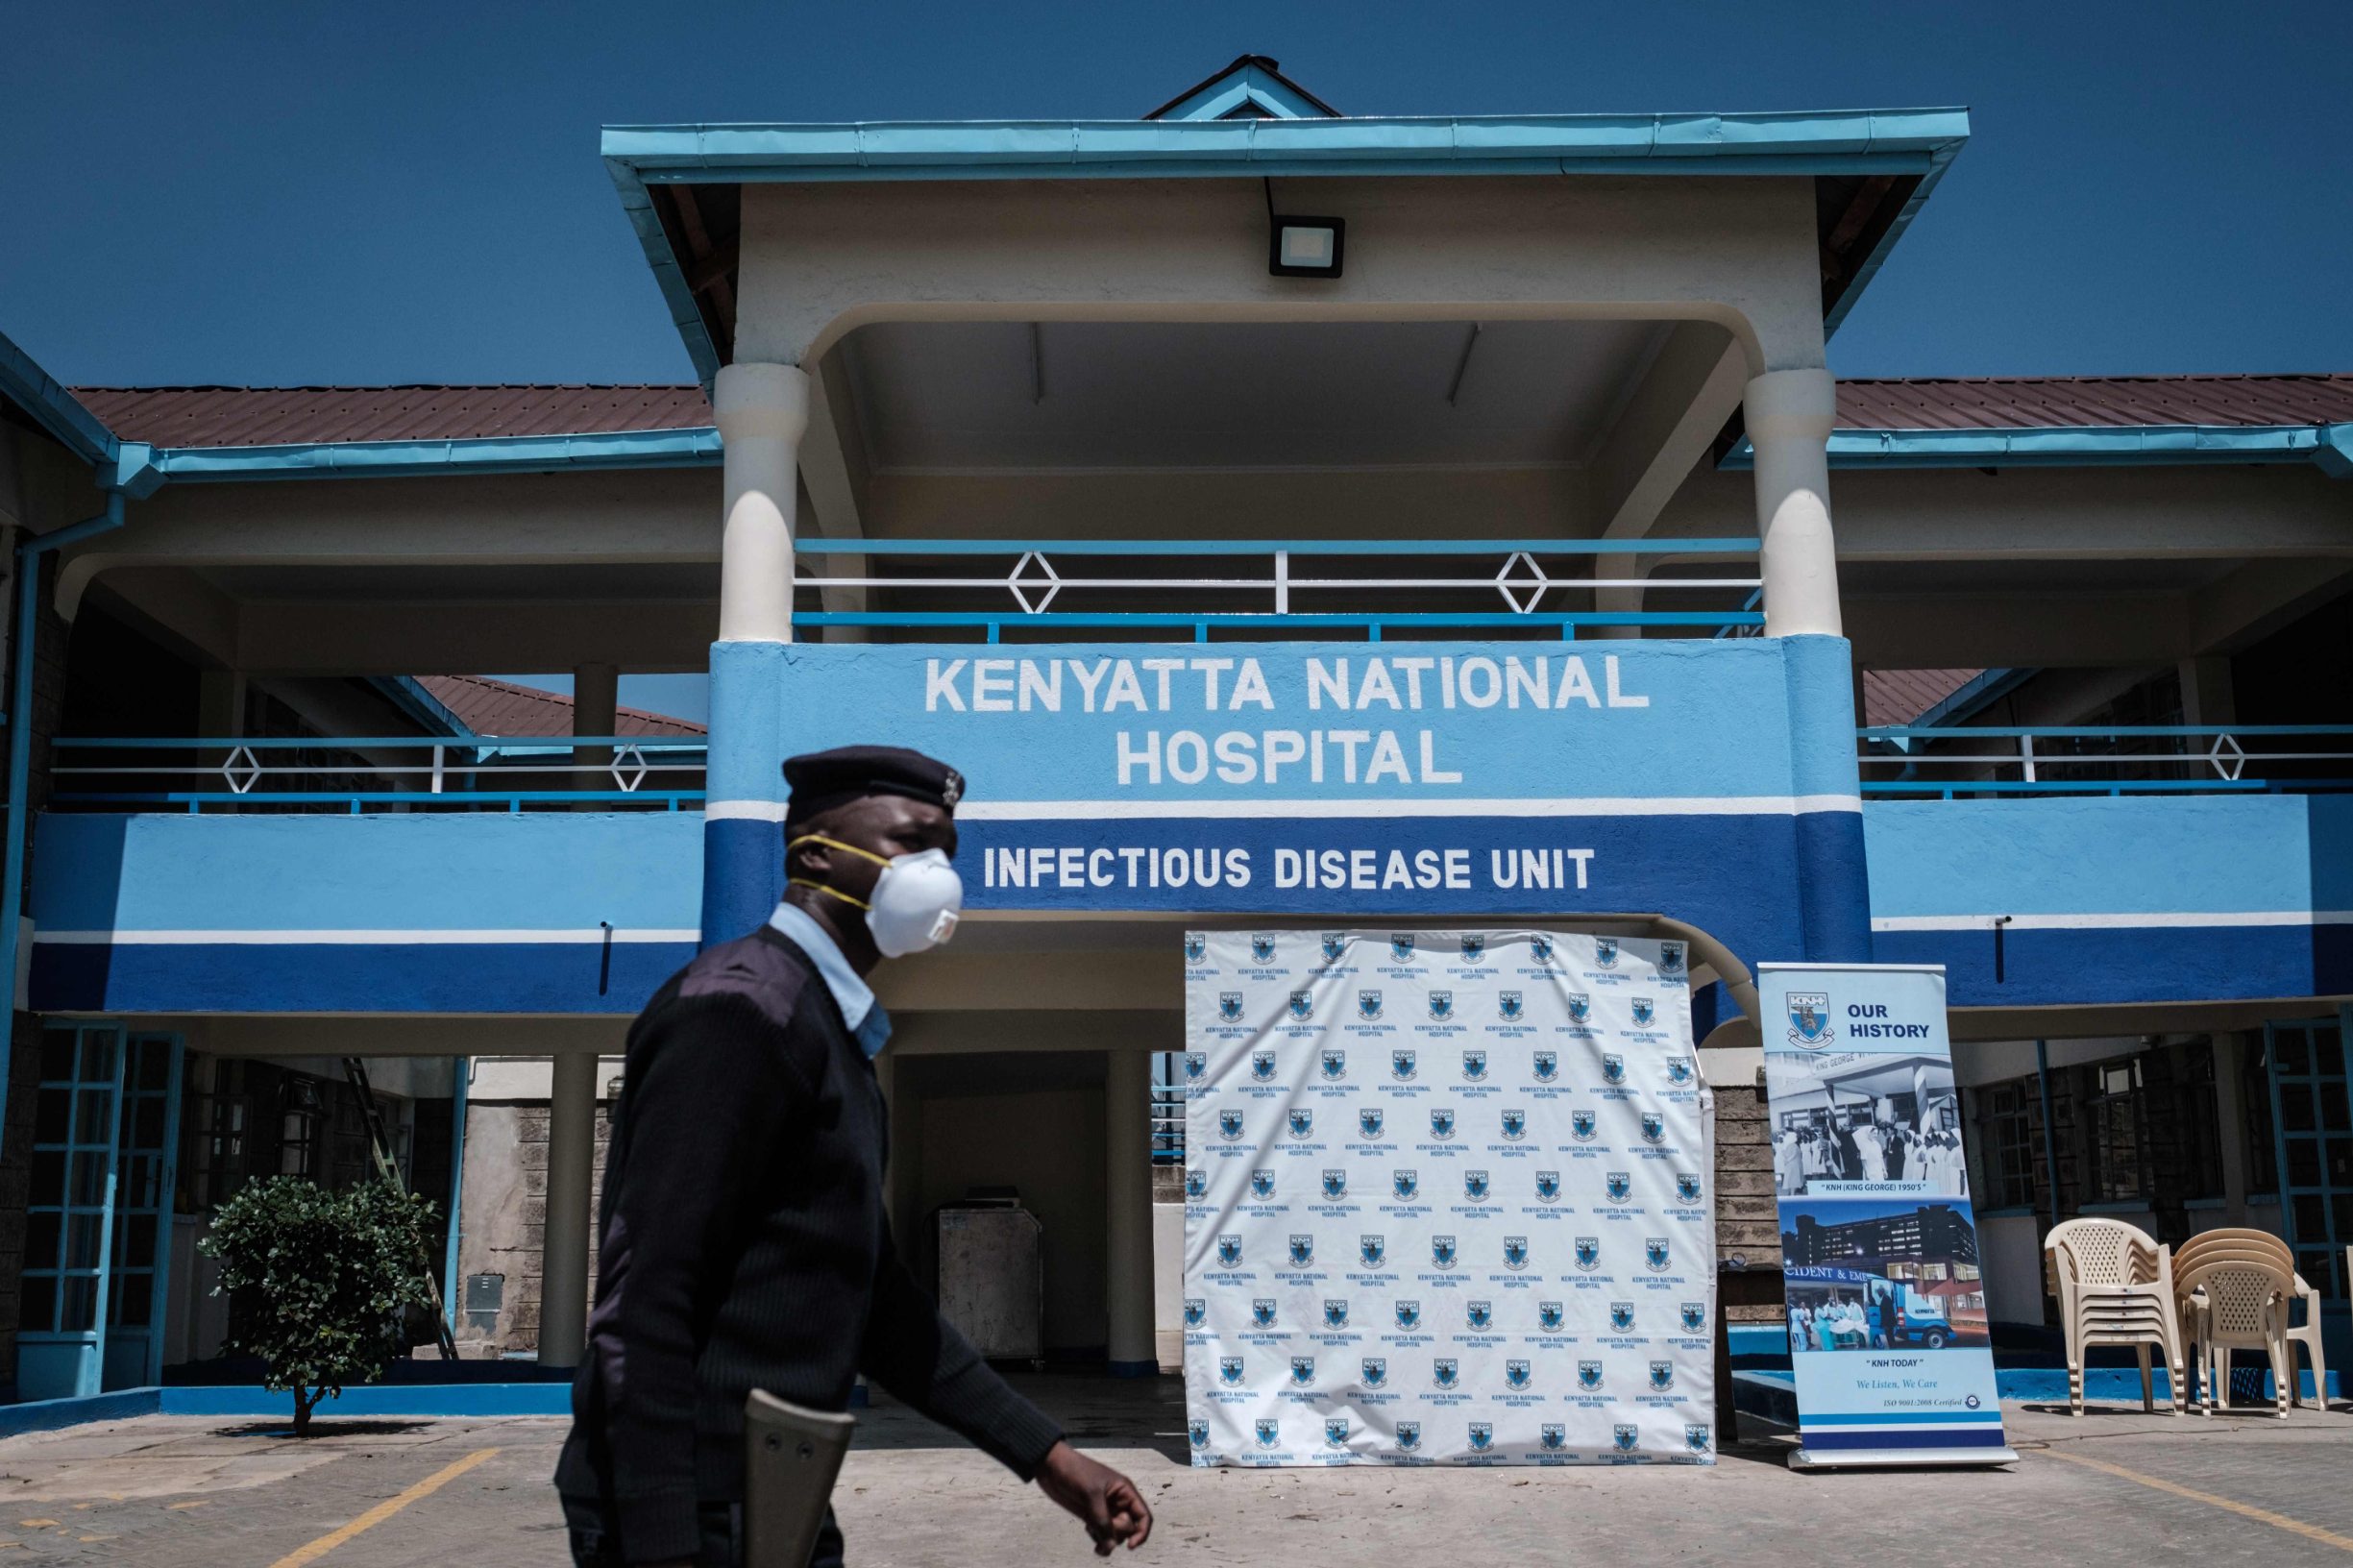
{"x": 916, "y": 902}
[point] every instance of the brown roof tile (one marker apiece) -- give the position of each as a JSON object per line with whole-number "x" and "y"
{"x": 250, "y": 416}
{"x": 1898, "y": 696}
{"x": 501, "y": 707}
{"x": 2009, "y": 403}
{"x": 268, "y": 416}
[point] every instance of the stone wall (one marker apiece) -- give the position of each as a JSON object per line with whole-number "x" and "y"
{"x": 506, "y": 1204}
{"x": 1747, "y": 1220}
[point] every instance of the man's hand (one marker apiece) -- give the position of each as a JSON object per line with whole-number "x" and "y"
{"x": 1106, "y": 1502}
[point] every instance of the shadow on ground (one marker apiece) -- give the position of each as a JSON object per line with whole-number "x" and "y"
{"x": 323, "y": 1427}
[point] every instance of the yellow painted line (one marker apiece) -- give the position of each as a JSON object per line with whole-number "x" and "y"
{"x": 2279, "y": 1521}
{"x": 177, "y": 1507}
{"x": 383, "y": 1512}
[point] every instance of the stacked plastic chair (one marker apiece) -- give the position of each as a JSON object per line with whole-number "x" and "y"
{"x": 2115, "y": 1285}
{"x": 2235, "y": 1287}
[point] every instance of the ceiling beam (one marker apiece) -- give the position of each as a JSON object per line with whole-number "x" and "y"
{"x": 2007, "y": 630}
{"x": 2260, "y": 598}
{"x": 1690, "y": 387}
{"x": 366, "y": 637}
{"x": 834, "y": 472}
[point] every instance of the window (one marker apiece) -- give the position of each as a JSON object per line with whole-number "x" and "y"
{"x": 2117, "y": 1130}
{"x": 299, "y": 1127}
{"x": 2198, "y": 1124}
{"x": 217, "y": 1128}
{"x": 2005, "y": 1142}
{"x": 2262, "y": 1135}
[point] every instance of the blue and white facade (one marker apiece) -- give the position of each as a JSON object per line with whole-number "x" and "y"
{"x": 1524, "y": 574}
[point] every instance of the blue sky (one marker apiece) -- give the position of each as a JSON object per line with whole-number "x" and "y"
{"x": 238, "y": 191}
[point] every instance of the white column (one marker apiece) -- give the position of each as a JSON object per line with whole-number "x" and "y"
{"x": 1789, "y": 414}
{"x": 762, "y": 410}
{"x": 596, "y": 706}
{"x": 1127, "y": 1187}
{"x": 572, "y": 1154}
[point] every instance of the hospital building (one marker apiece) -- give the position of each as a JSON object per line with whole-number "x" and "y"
{"x": 1502, "y": 450}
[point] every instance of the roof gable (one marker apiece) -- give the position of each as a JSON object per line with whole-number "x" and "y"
{"x": 1253, "y": 88}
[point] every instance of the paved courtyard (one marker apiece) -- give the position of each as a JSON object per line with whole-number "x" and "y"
{"x": 2115, "y": 1488}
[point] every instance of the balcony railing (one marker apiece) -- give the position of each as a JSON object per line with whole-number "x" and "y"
{"x": 642, "y": 772}
{"x": 1168, "y": 1124}
{"x": 1955, "y": 762}
{"x": 1249, "y": 587}
{"x": 398, "y": 772}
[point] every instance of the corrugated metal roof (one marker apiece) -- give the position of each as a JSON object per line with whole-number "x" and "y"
{"x": 501, "y": 707}
{"x": 253, "y": 416}
{"x": 2019, "y": 403}
{"x": 1898, "y": 696}
{"x": 269, "y": 416}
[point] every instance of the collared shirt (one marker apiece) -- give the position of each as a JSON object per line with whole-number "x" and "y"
{"x": 869, "y": 1024}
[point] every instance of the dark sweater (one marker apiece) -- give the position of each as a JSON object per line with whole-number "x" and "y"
{"x": 744, "y": 1245}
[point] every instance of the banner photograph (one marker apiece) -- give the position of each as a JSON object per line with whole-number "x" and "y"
{"x": 1449, "y": 1199}
{"x": 1888, "y": 1330}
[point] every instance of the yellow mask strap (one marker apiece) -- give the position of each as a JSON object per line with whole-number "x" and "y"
{"x": 845, "y": 848}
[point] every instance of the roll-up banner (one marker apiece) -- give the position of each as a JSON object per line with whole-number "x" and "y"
{"x": 1887, "y": 1320}
{"x": 1448, "y": 1199}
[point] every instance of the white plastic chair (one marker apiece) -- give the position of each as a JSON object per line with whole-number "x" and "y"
{"x": 2263, "y": 1245}
{"x": 2239, "y": 1301}
{"x": 2115, "y": 1285}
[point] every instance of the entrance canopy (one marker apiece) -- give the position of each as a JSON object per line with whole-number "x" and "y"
{"x": 684, "y": 186}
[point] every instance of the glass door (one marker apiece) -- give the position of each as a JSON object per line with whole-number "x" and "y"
{"x": 2310, "y": 1108}
{"x": 69, "y": 1217}
{"x": 146, "y": 1160}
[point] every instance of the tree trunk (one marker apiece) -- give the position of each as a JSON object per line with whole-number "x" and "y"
{"x": 304, "y": 1400}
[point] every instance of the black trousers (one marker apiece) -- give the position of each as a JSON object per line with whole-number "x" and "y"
{"x": 595, "y": 1544}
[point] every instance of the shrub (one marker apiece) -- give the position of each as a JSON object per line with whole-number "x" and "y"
{"x": 319, "y": 1282}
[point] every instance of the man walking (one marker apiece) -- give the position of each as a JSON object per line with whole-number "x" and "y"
{"x": 742, "y": 1241}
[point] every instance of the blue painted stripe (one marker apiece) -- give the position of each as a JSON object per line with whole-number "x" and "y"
{"x": 1973, "y": 732}
{"x": 2063, "y": 856}
{"x": 1955, "y": 1437}
{"x": 1269, "y": 547}
{"x": 697, "y": 447}
{"x": 448, "y": 1400}
{"x": 2146, "y": 964}
{"x": 2091, "y": 445}
{"x": 747, "y": 704}
{"x": 441, "y": 977}
{"x": 470, "y": 871}
{"x": 1832, "y": 885}
{"x": 501, "y": 745}
{"x": 1711, "y": 870}
{"x": 1625, "y": 143}
{"x": 56, "y": 1414}
{"x": 1266, "y": 621}
{"x": 1819, "y": 674}
{"x": 743, "y": 876}
{"x": 1902, "y": 1418}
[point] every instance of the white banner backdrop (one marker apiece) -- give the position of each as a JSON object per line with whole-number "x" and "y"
{"x": 1449, "y": 1199}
